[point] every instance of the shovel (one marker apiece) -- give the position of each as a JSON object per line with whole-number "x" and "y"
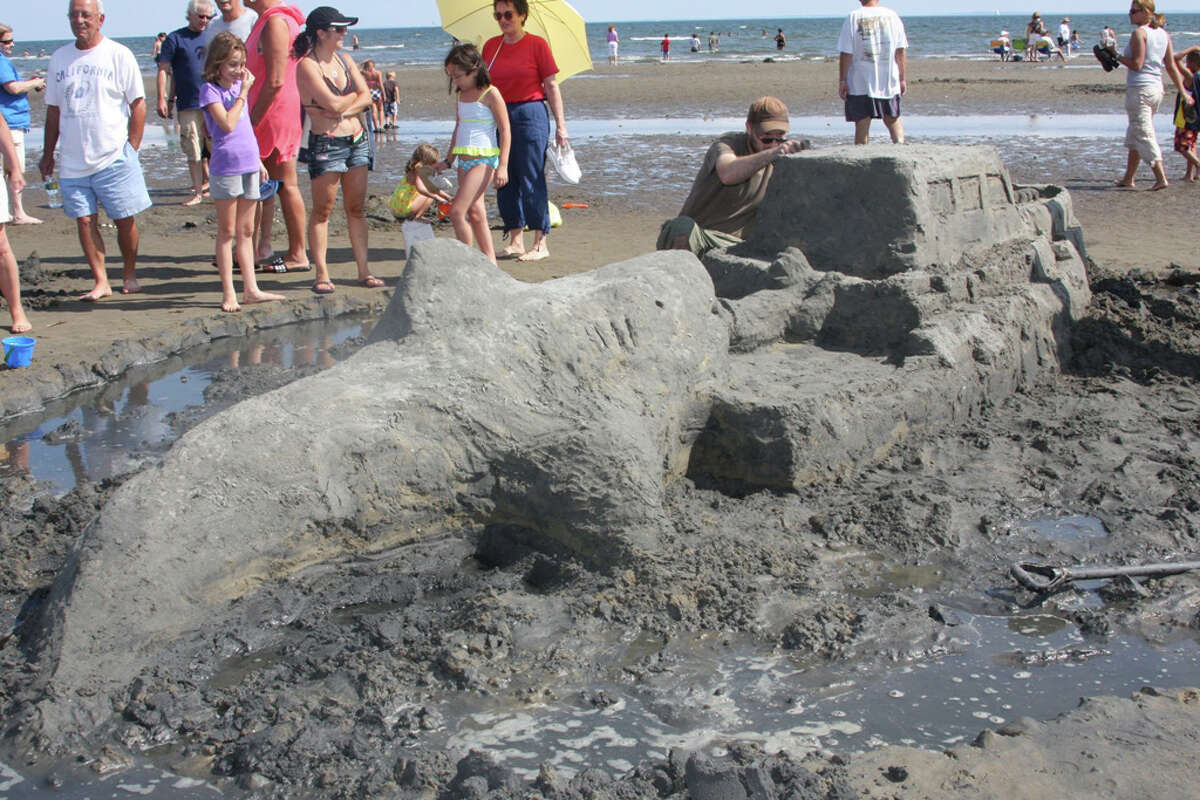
{"x": 1045, "y": 578}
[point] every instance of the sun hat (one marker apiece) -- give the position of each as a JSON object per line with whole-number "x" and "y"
{"x": 322, "y": 17}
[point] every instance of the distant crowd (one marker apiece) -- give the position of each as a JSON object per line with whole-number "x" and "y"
{"x": 256, "y": 89}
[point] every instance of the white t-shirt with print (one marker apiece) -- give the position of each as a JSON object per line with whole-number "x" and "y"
{"x": 240, "y": 27}
{"x": 93, "y": 90}
{"x": 871, "y": 36}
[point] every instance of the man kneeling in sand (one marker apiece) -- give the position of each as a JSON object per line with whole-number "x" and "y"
{"x": 724, "y": 201}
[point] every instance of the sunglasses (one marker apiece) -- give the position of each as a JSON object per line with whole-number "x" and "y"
{"x": 206, "y": 16}
{"x": 6, "y": 41}
{"x": 337, "y": 28}
{"x": 772, "y": 139}
{"x": 499, "y": 15}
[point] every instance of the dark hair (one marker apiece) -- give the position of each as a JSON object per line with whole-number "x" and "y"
{"x": 305, "y": 40}
{"x": 223, "y": 45}
{"x": 467, "y": 58}
{"x": 519, "y": 6}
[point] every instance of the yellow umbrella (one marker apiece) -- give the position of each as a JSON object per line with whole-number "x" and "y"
{"x": 553, "y": 20}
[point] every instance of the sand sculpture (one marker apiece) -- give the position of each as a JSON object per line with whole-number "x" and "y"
{"x": 889, "y": 289}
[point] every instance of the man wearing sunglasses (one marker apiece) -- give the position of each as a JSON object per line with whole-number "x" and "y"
{"x": 180, "y": 75}
{"x": 233, "y": 17}
{"x": 723, "y": 204}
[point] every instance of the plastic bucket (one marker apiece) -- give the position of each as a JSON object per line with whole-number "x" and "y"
{"x": 18, "y": 350}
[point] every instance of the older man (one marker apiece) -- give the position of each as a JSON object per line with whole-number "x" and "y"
{"x": 275, "y": 114}
{"x": 723, "y": 204}
{"x": 234, "y": 17}
{"x": 96, "y": 113}
{"x": 181, "y": 64}
{"x": 872, "y": 69}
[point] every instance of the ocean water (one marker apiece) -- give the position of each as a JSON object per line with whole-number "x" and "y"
{"x": 812, "y": 38}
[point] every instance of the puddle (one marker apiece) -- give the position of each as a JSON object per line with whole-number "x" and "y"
{"x": 996, "y": 669}
{"x": 1074, "y": 528}
{"x": 131, "y": 422}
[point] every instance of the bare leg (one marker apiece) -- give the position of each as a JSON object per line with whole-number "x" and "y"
{"x": 90, "y": 240}
{"x": 10, "y": 285}
{"x": 324, "y": 193}
{"x": 196, "y": 170}
{"x": 19, "y": 217}
{"x": 895, "y": 128}
{"x": 226, "y": 223}
{"x": 471, "y": 186}
{"x": 862, "y": 131}
{"x": 244, "y": 245}
{"x": 127, "y": 241}
{"x": 292, "y": 203}
{"x": 1160, "y": 176}
{"x": 516, "y": 243}
{"x": 1131, "y": 165}
{"x": 354, "y": 197}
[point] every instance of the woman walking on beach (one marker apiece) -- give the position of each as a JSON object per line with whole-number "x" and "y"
{"x": 1149, "y": 51}
{"x": 482, "y": 160}
{"x": 14, "y": 105}
{"x": 334, "y": 93}
{"x": 235, "y": 170}
{"x": 614, "y": 42}
{"x": 523, "y": 70}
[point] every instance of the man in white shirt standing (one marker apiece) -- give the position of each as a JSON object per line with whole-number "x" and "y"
{"x": 235, "y": 18}
{"x": 872, "y": 68}
{"x": 96, "y": 111}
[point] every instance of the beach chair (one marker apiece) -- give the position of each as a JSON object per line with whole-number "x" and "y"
{"x": 1018, "y": 53}
{"x": 1002, "y": 49}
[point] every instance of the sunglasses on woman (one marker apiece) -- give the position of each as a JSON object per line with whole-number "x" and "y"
{"x": 499, "y": 15}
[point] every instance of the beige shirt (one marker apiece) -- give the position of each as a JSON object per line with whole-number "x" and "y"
{"x": 728, "y": 209}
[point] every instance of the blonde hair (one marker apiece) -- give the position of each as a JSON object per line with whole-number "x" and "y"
{"x": 1156, "y": 20}
{"x": 425, "y": 154}
{"x": 222, "y": 48}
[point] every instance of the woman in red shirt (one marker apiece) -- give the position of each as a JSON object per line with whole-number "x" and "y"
{"x": 523, "y": 69}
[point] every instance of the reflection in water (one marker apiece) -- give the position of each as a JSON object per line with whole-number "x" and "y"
{"x": 129, "y": 424}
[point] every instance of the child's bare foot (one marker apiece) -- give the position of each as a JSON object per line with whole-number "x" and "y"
{"x": 20, "y": 322}
{"x": 260, "y": 297}
{"x": 230, "y": 304}
{"x": 100, "y": 292}
{"x": 130, "y": 286}
{"x": 193, "y": 200}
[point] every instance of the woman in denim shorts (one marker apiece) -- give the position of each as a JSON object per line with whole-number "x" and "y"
{"x": 334, "y": 93}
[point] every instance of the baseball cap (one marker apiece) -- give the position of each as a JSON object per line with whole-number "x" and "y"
{"x": 322, "y": 17}
{"x": 769, "y": 113}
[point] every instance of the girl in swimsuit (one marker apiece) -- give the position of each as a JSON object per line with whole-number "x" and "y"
{"x": 333, "y": 93}
{"x": 414, "y": 195}
{"x": 482, "y": 160}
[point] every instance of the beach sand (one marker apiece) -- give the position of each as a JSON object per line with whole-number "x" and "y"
{"x": 1124, "y": 229}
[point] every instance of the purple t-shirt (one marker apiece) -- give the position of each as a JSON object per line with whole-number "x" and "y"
{"x": 236, "y": 152}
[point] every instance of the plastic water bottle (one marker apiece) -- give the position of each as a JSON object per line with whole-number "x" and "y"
{"x": 53, "y": 198}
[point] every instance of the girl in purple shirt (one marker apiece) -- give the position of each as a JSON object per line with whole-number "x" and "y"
{"x": 235, "y": 170}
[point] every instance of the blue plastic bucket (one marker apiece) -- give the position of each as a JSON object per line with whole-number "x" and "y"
{"x": 18, "y": 350}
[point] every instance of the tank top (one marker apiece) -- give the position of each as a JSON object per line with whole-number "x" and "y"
{"x": 476, "y": 129}
{"x": 1156, "y": 50}
{"x": 280, "y": 128}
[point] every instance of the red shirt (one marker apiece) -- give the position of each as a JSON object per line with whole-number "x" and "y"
{"x": 666, "y": 44}
{"x": 519, "y": 69}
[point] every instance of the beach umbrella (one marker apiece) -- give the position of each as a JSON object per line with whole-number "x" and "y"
{"x": 553, "y": 20}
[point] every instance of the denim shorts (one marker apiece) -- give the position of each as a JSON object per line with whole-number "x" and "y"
{"x": 120, "y": 188}
{"x": 337, "y": 153}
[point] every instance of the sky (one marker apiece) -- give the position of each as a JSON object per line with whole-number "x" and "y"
{"x": 31, "y": 20}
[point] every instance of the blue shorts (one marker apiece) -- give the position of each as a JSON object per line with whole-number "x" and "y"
{"x": 337, "y": 153}
{"x": 467, "y": 164}
{"x": 120, "y": 188}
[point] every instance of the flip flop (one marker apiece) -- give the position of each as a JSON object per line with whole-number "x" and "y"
{"x": 323, "y": 287}
{"x": 370, "y": 282}
{"x": 267, "y": 190}
{"x": 275, "y": 265}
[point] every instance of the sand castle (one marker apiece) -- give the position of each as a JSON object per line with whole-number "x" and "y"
{"x": 887, "y": 290}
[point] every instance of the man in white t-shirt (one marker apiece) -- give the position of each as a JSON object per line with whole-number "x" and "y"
{"x": 872, "y": 68}
{"x": 235, "y": 18}
{"x": 96, "y": 113}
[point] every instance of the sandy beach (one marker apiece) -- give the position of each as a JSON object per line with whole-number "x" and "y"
{"x": 176, "y": 242}
{"x": 884, "y": 571}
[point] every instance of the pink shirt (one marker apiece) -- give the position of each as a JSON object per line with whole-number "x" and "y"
{"x": 279, "y": 129}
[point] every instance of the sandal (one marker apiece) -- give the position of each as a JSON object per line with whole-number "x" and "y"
{"x": 323, "y": 287}
{"x": 275, "y": 264}
{"x": 371, "y": 282}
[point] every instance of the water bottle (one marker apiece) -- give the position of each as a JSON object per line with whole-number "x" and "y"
{"x": 53, "y": 198}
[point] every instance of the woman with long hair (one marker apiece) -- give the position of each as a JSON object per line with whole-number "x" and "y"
{"x": 333, "y": 93}
{"x": 1149, "y": 52}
